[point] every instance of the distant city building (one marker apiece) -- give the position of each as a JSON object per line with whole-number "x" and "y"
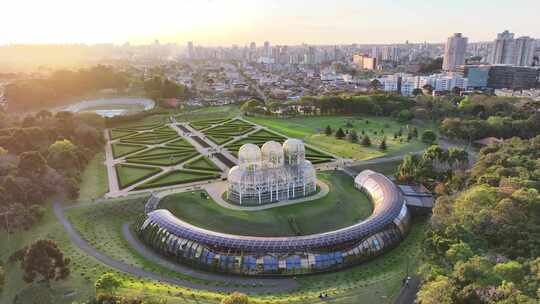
{"x": 191, "y": 53}
{"x": 510, "y": 51}
{"x": 406, "y": 83}
{"x": 391, "y": 53}
{"x": 454, "y": 52}
{"x": 502, "y": 77}
{"x": 364, "y": 61}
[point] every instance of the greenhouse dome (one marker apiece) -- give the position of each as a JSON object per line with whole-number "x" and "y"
{"x": 264, "y": 176}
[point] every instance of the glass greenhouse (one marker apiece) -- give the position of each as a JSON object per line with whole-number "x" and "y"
{"x": 271, "y": 174}
{"x": 248, "y": 255}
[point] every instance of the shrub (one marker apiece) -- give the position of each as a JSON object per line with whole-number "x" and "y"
{"x": 235, "y": 298}
{"x": 340, "y": 134}
{"x": 366, "y": 142}
{"x": 429, "y": 137}
{"x": 108, "y": 282}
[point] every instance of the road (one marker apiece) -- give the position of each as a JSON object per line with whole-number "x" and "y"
{"x": 251, "y": 285}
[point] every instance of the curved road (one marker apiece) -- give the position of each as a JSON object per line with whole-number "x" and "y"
{"x": 255, "y": 285}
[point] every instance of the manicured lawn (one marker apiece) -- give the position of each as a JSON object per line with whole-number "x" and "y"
{"x": 131, "y": 174}
{"x": 178, "y": 177}
{"x": 181, "y": 143}
{"x": 202, "y": 163}
{"x": 120, "y": 150}
{"x": 342, "y": 207}
{"x": 163, "y": 160}
{"x": 162, "y": 151}
{"x": 311, "y": 130}
{"x": 94, "y": 182}
{"x": 151, "y": 138}
{"x": 115, "y": 134}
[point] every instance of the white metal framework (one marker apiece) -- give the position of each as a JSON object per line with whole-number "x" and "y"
{"x": 271, "y": 174}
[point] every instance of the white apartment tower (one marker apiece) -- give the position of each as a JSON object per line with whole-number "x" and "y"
{"x": 454, "y": 52}
{"x": 507, "y": 50}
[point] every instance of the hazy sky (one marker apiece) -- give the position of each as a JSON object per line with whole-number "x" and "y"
{"x": 223, "y": 22}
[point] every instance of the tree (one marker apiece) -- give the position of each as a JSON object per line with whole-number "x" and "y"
{"x": 328, "y": 131}
{"x": 375, "y": 85}
{"x": 382, "y": 145}
{"x": 2, "y": 278}
{"x": 32, "y": 164}
{"x": 108, "y": 282}
{"x": 340, "y": 134}
{"x": 439, "y": 291}
{"x": 417, "y": 92}
{"x": 427, "y": 89}
{"x": 366, "y": 142}
{"x": 43, "y": 258}
{"x": 250, "y": 105}
{"x": 405, "y": 116}
{"x": 235, "y": 298}
{"x": 3, "y": 152}
{"x": 353, "y": 136}
{"x": 429, "y": 137}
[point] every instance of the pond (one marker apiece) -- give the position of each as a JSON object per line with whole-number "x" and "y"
{"x": 111, "y": 107}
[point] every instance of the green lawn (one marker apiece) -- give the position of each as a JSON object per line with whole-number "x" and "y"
{"x": 163, "y": 160}
{"x": 388, "y": 168}
{"x": 342, "y": 207}
{"x": 202, "y": 163}
{"x": 311, "y": 130}
{"x": 115, "y": 134}
{"x": 131, "y": 174}
{"x": 94, "y": 182}
{"x": 178, "y": 177}
{"x": 120, "y": 150}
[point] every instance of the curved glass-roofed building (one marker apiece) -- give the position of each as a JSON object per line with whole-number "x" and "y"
{"x": 271, "y": 174}
{"x": 248, "y": 255}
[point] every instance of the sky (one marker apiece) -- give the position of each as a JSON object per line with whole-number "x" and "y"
{"x": 226, "y": 22}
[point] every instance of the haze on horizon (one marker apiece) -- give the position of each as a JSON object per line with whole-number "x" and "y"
{"x": 226, "y": 22}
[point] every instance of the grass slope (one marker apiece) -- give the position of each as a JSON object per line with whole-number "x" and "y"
{"x": 94, "y": 182}
{"x": 311, "y": 130}
{"x": 342, "y": 207}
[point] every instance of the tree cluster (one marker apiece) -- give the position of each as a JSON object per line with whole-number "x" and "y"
{"x": 435, "y": 165}
{"x": 26, "y": 95}
{"x": 41, "y": 156}
{"x": 42, "y": 260}
{"x": 483, "y": 243}
{"x": 382, "y": 105}
{"x": 162, "y": 88}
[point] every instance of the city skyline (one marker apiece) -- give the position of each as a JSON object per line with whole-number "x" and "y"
{"x": 223, "y": 23}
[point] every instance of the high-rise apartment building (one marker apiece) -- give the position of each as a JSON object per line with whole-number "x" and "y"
{"x": 508, "y": 50}
{"x": 190, "y": 50}
{"x": 364, "y": 61}
{"x": 524, "y": 49}
{"x": 454, "y": 52}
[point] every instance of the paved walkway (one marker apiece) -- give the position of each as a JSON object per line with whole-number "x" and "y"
{"x": 216, "y": 190}
{"x": 251, "y": 285}
{"x": 407, "y": 294}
